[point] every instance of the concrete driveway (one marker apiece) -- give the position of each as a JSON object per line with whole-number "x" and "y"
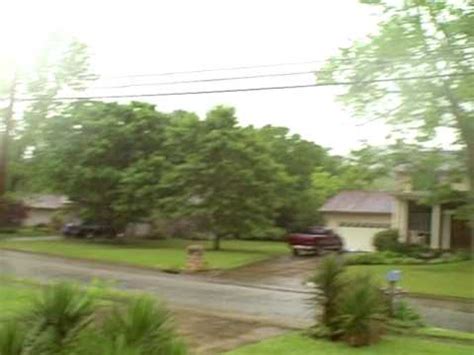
{"x": 285, "y": 272}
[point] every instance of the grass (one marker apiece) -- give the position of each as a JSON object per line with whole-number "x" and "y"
{"x": 14, "y": 296}
{"x": 453, "y": 279}
{"x": 446, "y": 333}
{"x": 165, "y": 254}
{"x": 296, "y": 344}
{"x": 23, "y": 232}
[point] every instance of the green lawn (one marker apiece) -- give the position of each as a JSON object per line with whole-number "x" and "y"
{"x": 166, "y": 254}
{"x": 14, "y": 296}
{"x": 295, "y": 344}
{"x": 24, "y": 232}
{"x": 451, "y": 279}
{"x": 445, "y": 333}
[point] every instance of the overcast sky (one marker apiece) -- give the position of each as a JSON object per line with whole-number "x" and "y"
{"x": 145, "y": 36}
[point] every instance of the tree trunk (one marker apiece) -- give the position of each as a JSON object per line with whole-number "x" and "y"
{"x": 5, "y": 140}
{"x": 216, "y": 242}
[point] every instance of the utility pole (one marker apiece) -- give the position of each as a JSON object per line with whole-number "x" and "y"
{"x": 8, "y": 125}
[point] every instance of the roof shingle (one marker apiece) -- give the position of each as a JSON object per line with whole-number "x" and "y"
{"x": 358, "y": 201}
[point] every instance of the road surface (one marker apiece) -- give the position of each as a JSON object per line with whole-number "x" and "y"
{"x": 281, "y": 307}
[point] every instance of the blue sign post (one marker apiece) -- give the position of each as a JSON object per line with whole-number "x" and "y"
{"x": 393, "y": 276}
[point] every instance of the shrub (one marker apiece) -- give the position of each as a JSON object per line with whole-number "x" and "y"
{"x": 11, "y": 212}
{"x": 58, "y": 316}
{"x": 144, "y": 326}
{"x": 12, "y": 338}
{"x": 361, "y": 314}
{"x": 406, "y": 314}
{"x": 367, "y": 259}
{"x": 328, "y": 279}
{"x": 387, "y": 240}
{"x": 65, "y": 320}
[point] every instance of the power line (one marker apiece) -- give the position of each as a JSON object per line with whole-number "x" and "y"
{"x": 218, "y": 79}
{"x": 256, "y": 76}
{"x": 401, "y": 58}
{"x": 266, "y": 88}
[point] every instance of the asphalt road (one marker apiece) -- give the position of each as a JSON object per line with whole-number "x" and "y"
{"x": 196, "y": 292}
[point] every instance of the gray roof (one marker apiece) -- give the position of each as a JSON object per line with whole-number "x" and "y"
{"x": 358, "y": 201}
{"x": 50, "y": 202}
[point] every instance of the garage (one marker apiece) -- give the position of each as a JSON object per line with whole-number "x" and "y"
{"x": 358, "y": 238}
{"x": 357, "y": 216}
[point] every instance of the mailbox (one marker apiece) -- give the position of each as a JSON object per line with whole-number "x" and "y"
{"x": 394, "y": 276}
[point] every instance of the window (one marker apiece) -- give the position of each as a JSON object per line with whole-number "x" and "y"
{"x": 364, "y": 225}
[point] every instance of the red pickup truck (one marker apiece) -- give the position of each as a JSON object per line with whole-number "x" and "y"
{"x": 315, "y": 240}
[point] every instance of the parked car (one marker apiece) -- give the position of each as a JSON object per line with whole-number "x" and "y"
{"x": 87, "y": 230}
{"x": 315, "y": 240}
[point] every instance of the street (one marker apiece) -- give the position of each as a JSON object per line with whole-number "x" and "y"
{"x": 277, "y": 306}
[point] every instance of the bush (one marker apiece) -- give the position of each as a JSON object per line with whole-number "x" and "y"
{"x": 406, "y": 314}
{"x": 328, "y": 279}
{"x": 11, "y": 212}
{"x": 387, "y": 240}
{"x": 367, "y": 259}
{"x": 144, "y": 326}
{"x": 12, "y": 338}
{"x": 65, "y": 320}
{"x": 361, "y": 314}
{"x": 352, "y": 308}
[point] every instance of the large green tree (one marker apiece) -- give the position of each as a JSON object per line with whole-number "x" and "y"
{"x": 229, "y": 179}
{"x": 429, "y": 41}
{"x": 299, "y": 158}
{"x": 106, "y": 158}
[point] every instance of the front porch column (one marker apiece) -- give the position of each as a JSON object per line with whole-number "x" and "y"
{"x": 435, "y": 242}
{"x": 400, "y": 219}
{"x": 446, "y": 230}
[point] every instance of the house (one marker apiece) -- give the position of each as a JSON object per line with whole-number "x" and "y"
{"x": 434, "y": 225}
{"x": 357, "y": 215}
{"x": 42, "y": 208}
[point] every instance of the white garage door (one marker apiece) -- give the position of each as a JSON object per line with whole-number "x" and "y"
{"x": 358, "y": 238}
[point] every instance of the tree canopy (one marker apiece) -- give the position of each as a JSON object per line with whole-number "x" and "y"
{"x": 415, "y": 72}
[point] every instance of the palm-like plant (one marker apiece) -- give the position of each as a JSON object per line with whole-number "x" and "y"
{"x": 144, "y": 326}
{"x": 361, "y": 312}
{"x": 51, "y": 325}
{"x": 58, "y": 317}
{"x": 12, "y": 338}
{"x": 61, "y": 322}
{"x": 330, "y": 286}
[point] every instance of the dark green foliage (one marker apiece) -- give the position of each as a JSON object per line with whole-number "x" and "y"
{"x": 58, "y": 316}
{"x": 236, "y": 181}
{"x": 330, "y": 287}
{"x": 230, "y": 180}
{"x": 143, "y": 326}
{"x": 405, "y": 314}
{"x": 352, "y": 307}
{"x": 12, "y": 338}
{"x": 66, "y": 320}
{"x": 52, "y": 325}
{"x": 11, "y": 212}
{"x": 413, "y": 256}
{"x": 387, "y": 240}
{"x": 361, "y": 312}
{"x": 425, "y": 38}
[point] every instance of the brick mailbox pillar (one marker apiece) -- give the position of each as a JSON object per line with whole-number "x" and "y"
{"x": 195, "y": 258}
